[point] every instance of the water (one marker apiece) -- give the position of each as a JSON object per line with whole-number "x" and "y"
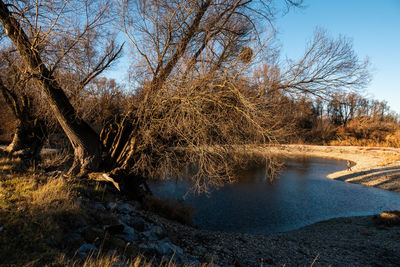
{"x": 301, "y": 196}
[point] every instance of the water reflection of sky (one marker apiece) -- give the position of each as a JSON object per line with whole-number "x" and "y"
{"x": 301, "y": 196}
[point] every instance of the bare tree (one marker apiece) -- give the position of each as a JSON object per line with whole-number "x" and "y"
{"x": 16, "y": 89}
{"x": 194, "y": 56}
{"x": 193, "y": 107}
{"x": 56, "y": 31}
{"x": 328, "y": 65}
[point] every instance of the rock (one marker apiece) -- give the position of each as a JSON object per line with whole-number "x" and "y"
{"x": 249, "y": 262}
{"x": 129, "y": 234}
{"x": 112, "y": 206}
{"x": 92, "y": 234}
{"x": 112, "y": 252}
{"x": 201, "y": 250}
{"x": 157, "y": 230}
{"x": 138, "y": 223}
{"x": 90, "y": 205}
{"x": 210, "y": 257}
{"x": 154, "y": 233}
{"x": 267, "y": 259}
{"x": 98, "y": 206}
{"x": 73, "y": 238}
{"x": 131, "y": 250}
{"x": 132, "y": 238}
{"x": 86, "y": 249}
{"x": 137, "y": 205}
{"x": 114, "y": 229}
{"x": 81, "y": 229}
{"x": 125, "y": 218}
{"x": 114, "y": 242}
{"x": 128, "y": 230}
{"x": 191, "y": 261}
{"x": 164, "y": 247}
{"x": 125, "y": 208}
{"x": 150, "y": 236}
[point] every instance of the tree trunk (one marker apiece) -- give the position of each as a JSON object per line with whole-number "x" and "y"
{"x": 29, "y": 138}
{"x": 84, "y": 140}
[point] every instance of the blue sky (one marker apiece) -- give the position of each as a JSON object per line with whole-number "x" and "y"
{"x": 374, "y": 27}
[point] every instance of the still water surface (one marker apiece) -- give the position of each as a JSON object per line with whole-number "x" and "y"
{"x": 301, "y": 196}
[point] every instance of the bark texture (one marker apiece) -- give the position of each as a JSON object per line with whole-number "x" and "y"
{"x": 84, "y": 140}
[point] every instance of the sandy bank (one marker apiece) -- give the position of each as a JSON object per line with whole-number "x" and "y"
{"x": 372, "y": 166}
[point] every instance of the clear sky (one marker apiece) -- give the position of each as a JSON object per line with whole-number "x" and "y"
{"x": 374, "y": 27}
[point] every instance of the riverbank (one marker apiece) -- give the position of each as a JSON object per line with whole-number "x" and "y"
{"x": 352, "y": 241}
{"x": 81, "y": 219}
{"x": 371, "y": 166}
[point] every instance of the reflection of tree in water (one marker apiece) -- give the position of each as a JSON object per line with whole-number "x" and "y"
{"x": 301, "y": 166}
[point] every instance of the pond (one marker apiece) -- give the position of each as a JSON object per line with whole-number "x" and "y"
{"x": 301, "y": 196}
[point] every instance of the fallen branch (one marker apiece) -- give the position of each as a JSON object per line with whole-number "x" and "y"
{"x": 103, "y": 177}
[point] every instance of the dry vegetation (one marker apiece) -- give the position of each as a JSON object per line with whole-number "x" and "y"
{"x": 37, "y": 211}
{"x": 207, "y": 81}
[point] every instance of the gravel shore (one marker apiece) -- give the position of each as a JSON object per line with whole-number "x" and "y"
{"x": 353, "y": 241}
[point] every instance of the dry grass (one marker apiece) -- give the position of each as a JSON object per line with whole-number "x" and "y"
{"x": 352, "y": 141}
{"x": 35, "y": 213}
{"x": 9, "y": 165}
{"x": 113, "y": 260}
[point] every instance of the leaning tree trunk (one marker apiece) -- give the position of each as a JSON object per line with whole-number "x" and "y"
{"x": 84, "y": 140}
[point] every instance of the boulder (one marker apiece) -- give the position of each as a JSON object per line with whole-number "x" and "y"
{"x": 153, "y": 234}
{"x": 129, "y": 234}
{"x": 138, "y": 223}
{"x": 164, "y": 247}
{"x": 125, "y": 218}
